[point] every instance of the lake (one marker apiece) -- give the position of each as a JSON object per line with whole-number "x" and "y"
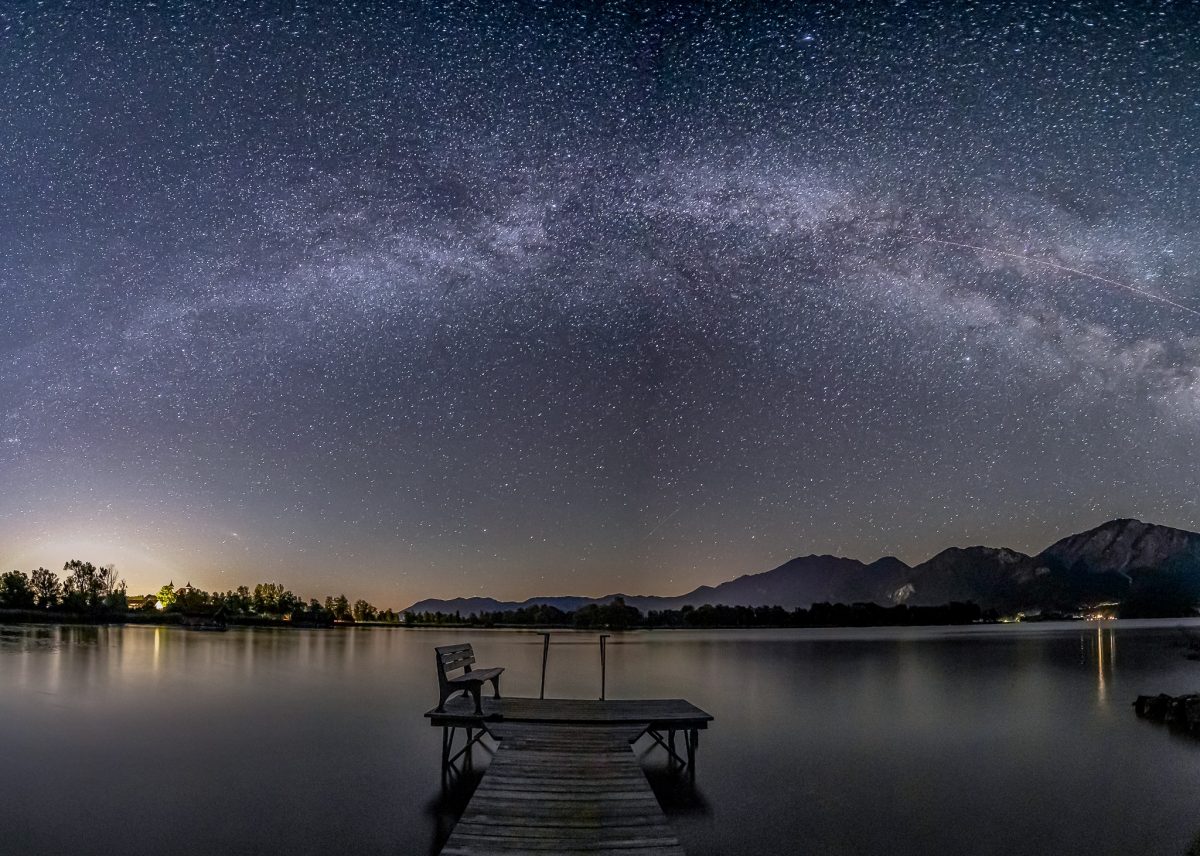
{"x": 1009, "y": 739}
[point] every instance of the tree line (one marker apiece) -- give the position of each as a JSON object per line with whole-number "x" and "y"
{"x": 88, "y": 589}
{"x": 84, "y": 587}
{"x": 270, "y": 600}
{"x": 618, "y": 615}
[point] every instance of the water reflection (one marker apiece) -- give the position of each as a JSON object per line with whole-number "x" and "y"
{"x": 905, "y": 741}
{"x": 451, "y": 801}
{"x": 677, "y": 792}
{"x": 23, "y": 639}
{"x": 1101, "y": 649}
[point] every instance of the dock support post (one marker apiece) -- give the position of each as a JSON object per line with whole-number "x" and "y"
{"x": 447, "y": 741}
{"x": 667, "y": 744}
{"x": 450, "y": 758}
{"x": 603, "y": 665}
{"x": 545, "y": 656}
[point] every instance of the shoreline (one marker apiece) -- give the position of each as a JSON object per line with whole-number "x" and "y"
{"x": 9, "y": 617}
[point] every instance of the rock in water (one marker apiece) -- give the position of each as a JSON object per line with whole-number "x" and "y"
{"x": 1181, "y": 712}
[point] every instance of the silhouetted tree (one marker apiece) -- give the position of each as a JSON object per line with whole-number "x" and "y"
{"x": 363, "y": 611}
{"x": 273, "y": 599}
{"x": 117, "y": 598}
{"x": 16, "y": 591}
{"x": 615, "y": 614}
{"x": 266, "y": 597}
{"x": 46, "y": 587}
{"x": 286, "y": 603}
{"x": 339, "y": 606}
{"x": 82, "y": 586}
{"x": 238, "y": 601}
{"x": 88, "y": 587}
{"x": 314, "y": 615}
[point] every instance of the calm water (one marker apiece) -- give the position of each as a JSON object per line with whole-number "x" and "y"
{"x": 1005, "y": 740}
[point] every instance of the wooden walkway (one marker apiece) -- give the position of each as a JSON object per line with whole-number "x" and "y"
{"x": 564, "y": 778}
{"x": 564, "y": 789}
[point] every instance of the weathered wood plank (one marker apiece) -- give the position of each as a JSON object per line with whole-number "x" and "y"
{"x": 565, "y": 789}
{"x": 511, "y": 825}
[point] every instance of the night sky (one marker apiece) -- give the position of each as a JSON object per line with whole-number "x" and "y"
{"x": 410, "y": 300}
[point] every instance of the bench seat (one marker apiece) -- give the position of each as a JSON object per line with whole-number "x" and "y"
{"x": 453, "y": 657}
{"x": 476, "y": 675}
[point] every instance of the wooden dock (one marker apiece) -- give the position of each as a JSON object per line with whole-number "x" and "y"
{"x": 660, "y": 713}
{"x": 564, "y": 778}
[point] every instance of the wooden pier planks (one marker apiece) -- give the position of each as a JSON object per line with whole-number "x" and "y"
{"x": 563, "y": 789}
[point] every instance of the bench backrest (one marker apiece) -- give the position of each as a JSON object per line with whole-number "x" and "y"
{"x": 452, "y": 657}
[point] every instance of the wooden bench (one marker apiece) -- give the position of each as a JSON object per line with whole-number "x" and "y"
{"x": 453, "y": 657}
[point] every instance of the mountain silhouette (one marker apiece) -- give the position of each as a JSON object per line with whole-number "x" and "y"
{"x": 1154, "y": 569}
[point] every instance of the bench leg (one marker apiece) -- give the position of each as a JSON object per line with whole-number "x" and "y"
{"x": 496, "y": 686}
{"x": 475, "y": 694}
{"x": 447, "y": 745}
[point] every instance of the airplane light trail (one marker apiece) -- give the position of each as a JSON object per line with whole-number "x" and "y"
{"x": 660, "y": 523}
{"x": 1066, "y": 269}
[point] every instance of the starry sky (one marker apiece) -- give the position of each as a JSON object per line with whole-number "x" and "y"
{"x": 417, "y": 299}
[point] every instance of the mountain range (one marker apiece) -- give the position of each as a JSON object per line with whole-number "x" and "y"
{"x": 1148, "y": 569}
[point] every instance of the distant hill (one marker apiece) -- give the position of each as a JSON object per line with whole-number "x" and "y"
{"x": 467, "y": 605}
{"x": 802, "y": 582}
{"x": 1122, "y": 546}
{"x": 1152, "y": 569}
{"x": 799, "y": 582}
{"x": 989, "y": 576}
